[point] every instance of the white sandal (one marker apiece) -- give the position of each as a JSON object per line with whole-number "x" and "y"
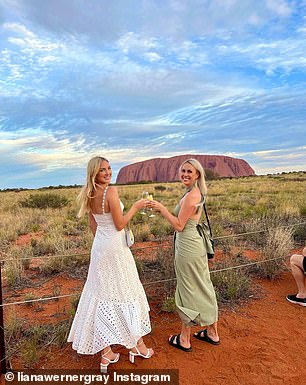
{"x": 103, "y": 367}
{"x": 132, "y": 355}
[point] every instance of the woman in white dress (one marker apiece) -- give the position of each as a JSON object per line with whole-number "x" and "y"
{"x": 113, "y": 308}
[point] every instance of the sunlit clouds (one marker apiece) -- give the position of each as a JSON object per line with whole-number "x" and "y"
{"x": 133, "y": 80}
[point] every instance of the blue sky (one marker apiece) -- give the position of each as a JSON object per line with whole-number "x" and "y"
{"x": 133, "y": 80}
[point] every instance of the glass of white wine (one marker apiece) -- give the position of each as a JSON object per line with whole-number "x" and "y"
{"x": 144, "y": 195}
{"x": 150, "y": 198}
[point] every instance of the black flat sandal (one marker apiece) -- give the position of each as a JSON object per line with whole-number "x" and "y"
{"x": 205, "y": 337}
{"x": 177, "y": 343}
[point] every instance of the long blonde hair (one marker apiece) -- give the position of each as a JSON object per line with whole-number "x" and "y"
{"x": 200, "y": 182}
{"x": 87, "y": 193}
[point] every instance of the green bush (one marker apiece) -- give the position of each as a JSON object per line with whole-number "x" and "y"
{"x": 303, "y": 211}
{"x": 160, "y": 188}
{"x": 299, "y": 234}
{"x": 169, "y": 305}
{"x": 43, "y": 201}
{"x": 231, "y": 286}
{"x": 161, "y": 229}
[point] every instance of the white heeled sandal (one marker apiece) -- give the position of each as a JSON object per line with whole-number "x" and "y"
{"x": 103, "y": 367}
{"x": 132, "y": 355}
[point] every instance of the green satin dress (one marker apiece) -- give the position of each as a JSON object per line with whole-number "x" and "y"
{"x": 195, "y": 296}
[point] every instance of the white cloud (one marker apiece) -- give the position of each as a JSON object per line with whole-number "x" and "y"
{"x": 153, "y": 56}
{"x": 18, "y": 28}
{"x": 136, "y": 43}
{"x": 105, "y": 20}
{"x": 163, "y": 77}
{"x": 280, "y": 7}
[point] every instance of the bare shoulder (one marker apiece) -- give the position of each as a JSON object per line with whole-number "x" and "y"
{"x": 112, "y": 192}
{"x": 192, "y": 197}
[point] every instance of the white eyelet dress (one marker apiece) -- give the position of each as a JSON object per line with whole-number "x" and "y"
{"x": 113, "y": 308}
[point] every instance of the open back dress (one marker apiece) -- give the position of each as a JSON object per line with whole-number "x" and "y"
{"x": 113, "y": 308}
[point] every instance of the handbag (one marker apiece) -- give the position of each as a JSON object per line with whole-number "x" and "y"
{"x": 205, "y": 232}
{"x": 129, "y": 237}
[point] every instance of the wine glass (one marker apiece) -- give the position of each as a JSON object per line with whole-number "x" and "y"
{"x": 150, "y": 198}
{"x": 144, "y": 195}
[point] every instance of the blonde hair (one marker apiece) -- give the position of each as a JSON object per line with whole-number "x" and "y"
{"x": 87, "y": 193}
{"x": 200, "y": 182}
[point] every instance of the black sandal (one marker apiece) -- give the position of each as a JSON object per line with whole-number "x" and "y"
{"x": 177, "y": 343}
{"x": 205, "y": 337}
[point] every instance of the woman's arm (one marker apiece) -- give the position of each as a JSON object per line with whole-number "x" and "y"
{"x": 119, "y": 219}
{"x": 92, "y": 223}
{"x": 188, "y": 208}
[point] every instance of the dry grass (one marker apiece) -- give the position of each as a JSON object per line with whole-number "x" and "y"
{"x": 234, "y": 205}
{"x": 278, "y": 244}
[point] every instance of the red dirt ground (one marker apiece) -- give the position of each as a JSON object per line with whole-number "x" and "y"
{"x": 263, "y": 341}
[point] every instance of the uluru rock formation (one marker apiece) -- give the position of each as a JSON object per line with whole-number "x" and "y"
{"x": 166, "y": 169}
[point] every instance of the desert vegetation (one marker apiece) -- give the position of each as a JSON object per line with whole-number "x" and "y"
{"x": 45, "y": 249}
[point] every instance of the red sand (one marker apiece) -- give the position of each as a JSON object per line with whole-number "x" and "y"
{"x": 263, "y": 342}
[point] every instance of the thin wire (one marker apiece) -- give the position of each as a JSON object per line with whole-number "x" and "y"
{"x": 39, "y": 299}
{"x": 76, "y": 255}
{"x": 144, "y": 284}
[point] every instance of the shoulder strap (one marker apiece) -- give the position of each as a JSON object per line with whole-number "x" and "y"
{"x": 103, "y": 199}
{"x": 207, "y": 219}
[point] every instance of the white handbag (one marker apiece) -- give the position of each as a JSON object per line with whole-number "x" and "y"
{"x": 129, "y": 237}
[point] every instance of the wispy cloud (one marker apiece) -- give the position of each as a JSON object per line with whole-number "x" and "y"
{"x": 133, "y": 80}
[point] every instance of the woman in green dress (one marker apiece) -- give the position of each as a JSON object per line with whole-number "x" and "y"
{"x": 195, "y": 296}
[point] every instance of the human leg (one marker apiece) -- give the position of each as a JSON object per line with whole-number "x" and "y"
{"x": 212, "y": 332}
{"x": 209, "y": 335}
{"x": 108, "y": 357}
{"x": 182, "y": 340}
{"x": 297, "y": 269}
{"x": 140, "y": 350}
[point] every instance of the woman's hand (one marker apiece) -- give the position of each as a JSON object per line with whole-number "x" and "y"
{"x": 155, "y": 205}
{"x": 140, "y": 204}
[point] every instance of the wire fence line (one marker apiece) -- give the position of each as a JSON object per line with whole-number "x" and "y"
{"x": 142, "y": 248}
{"x": 144, "y": 284}
{"x": 2, "y": 261}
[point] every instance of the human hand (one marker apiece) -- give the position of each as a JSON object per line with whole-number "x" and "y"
{"x": 155, "y": 205}
{"x": 304, "y": 252}
{"x": 140, "y": 204}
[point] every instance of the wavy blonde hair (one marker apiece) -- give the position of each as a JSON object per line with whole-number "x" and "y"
{"x": 200, "y": 182}
{"x": 86, "y": 195}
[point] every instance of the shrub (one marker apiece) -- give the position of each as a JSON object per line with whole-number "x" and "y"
{"x": 161, "y": 229}
{"x": 53, "y": 265}
{"x": 74, "y": 304}
{"x": 43, "y": 201}
{"x": 278, "y": 243}
{"x": 29, "y": 297}
{"x": 169, "y": 305}
{"x": 60, "y": 333}
{"x": 303, "y": 211}
{"x": 140, "y": 266}
{"x": 30, "y": 352}
{"x": 231, "y": 286}
{"x": 142, "y": 232}
{"x": 210, "y": 174}
{"x": 13, "y": 327}
{"x": 14, "y": 272}
{"x": 164, "y": 260}
{"x": 299, "y": 234}
{"x": 160, "y": 188}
